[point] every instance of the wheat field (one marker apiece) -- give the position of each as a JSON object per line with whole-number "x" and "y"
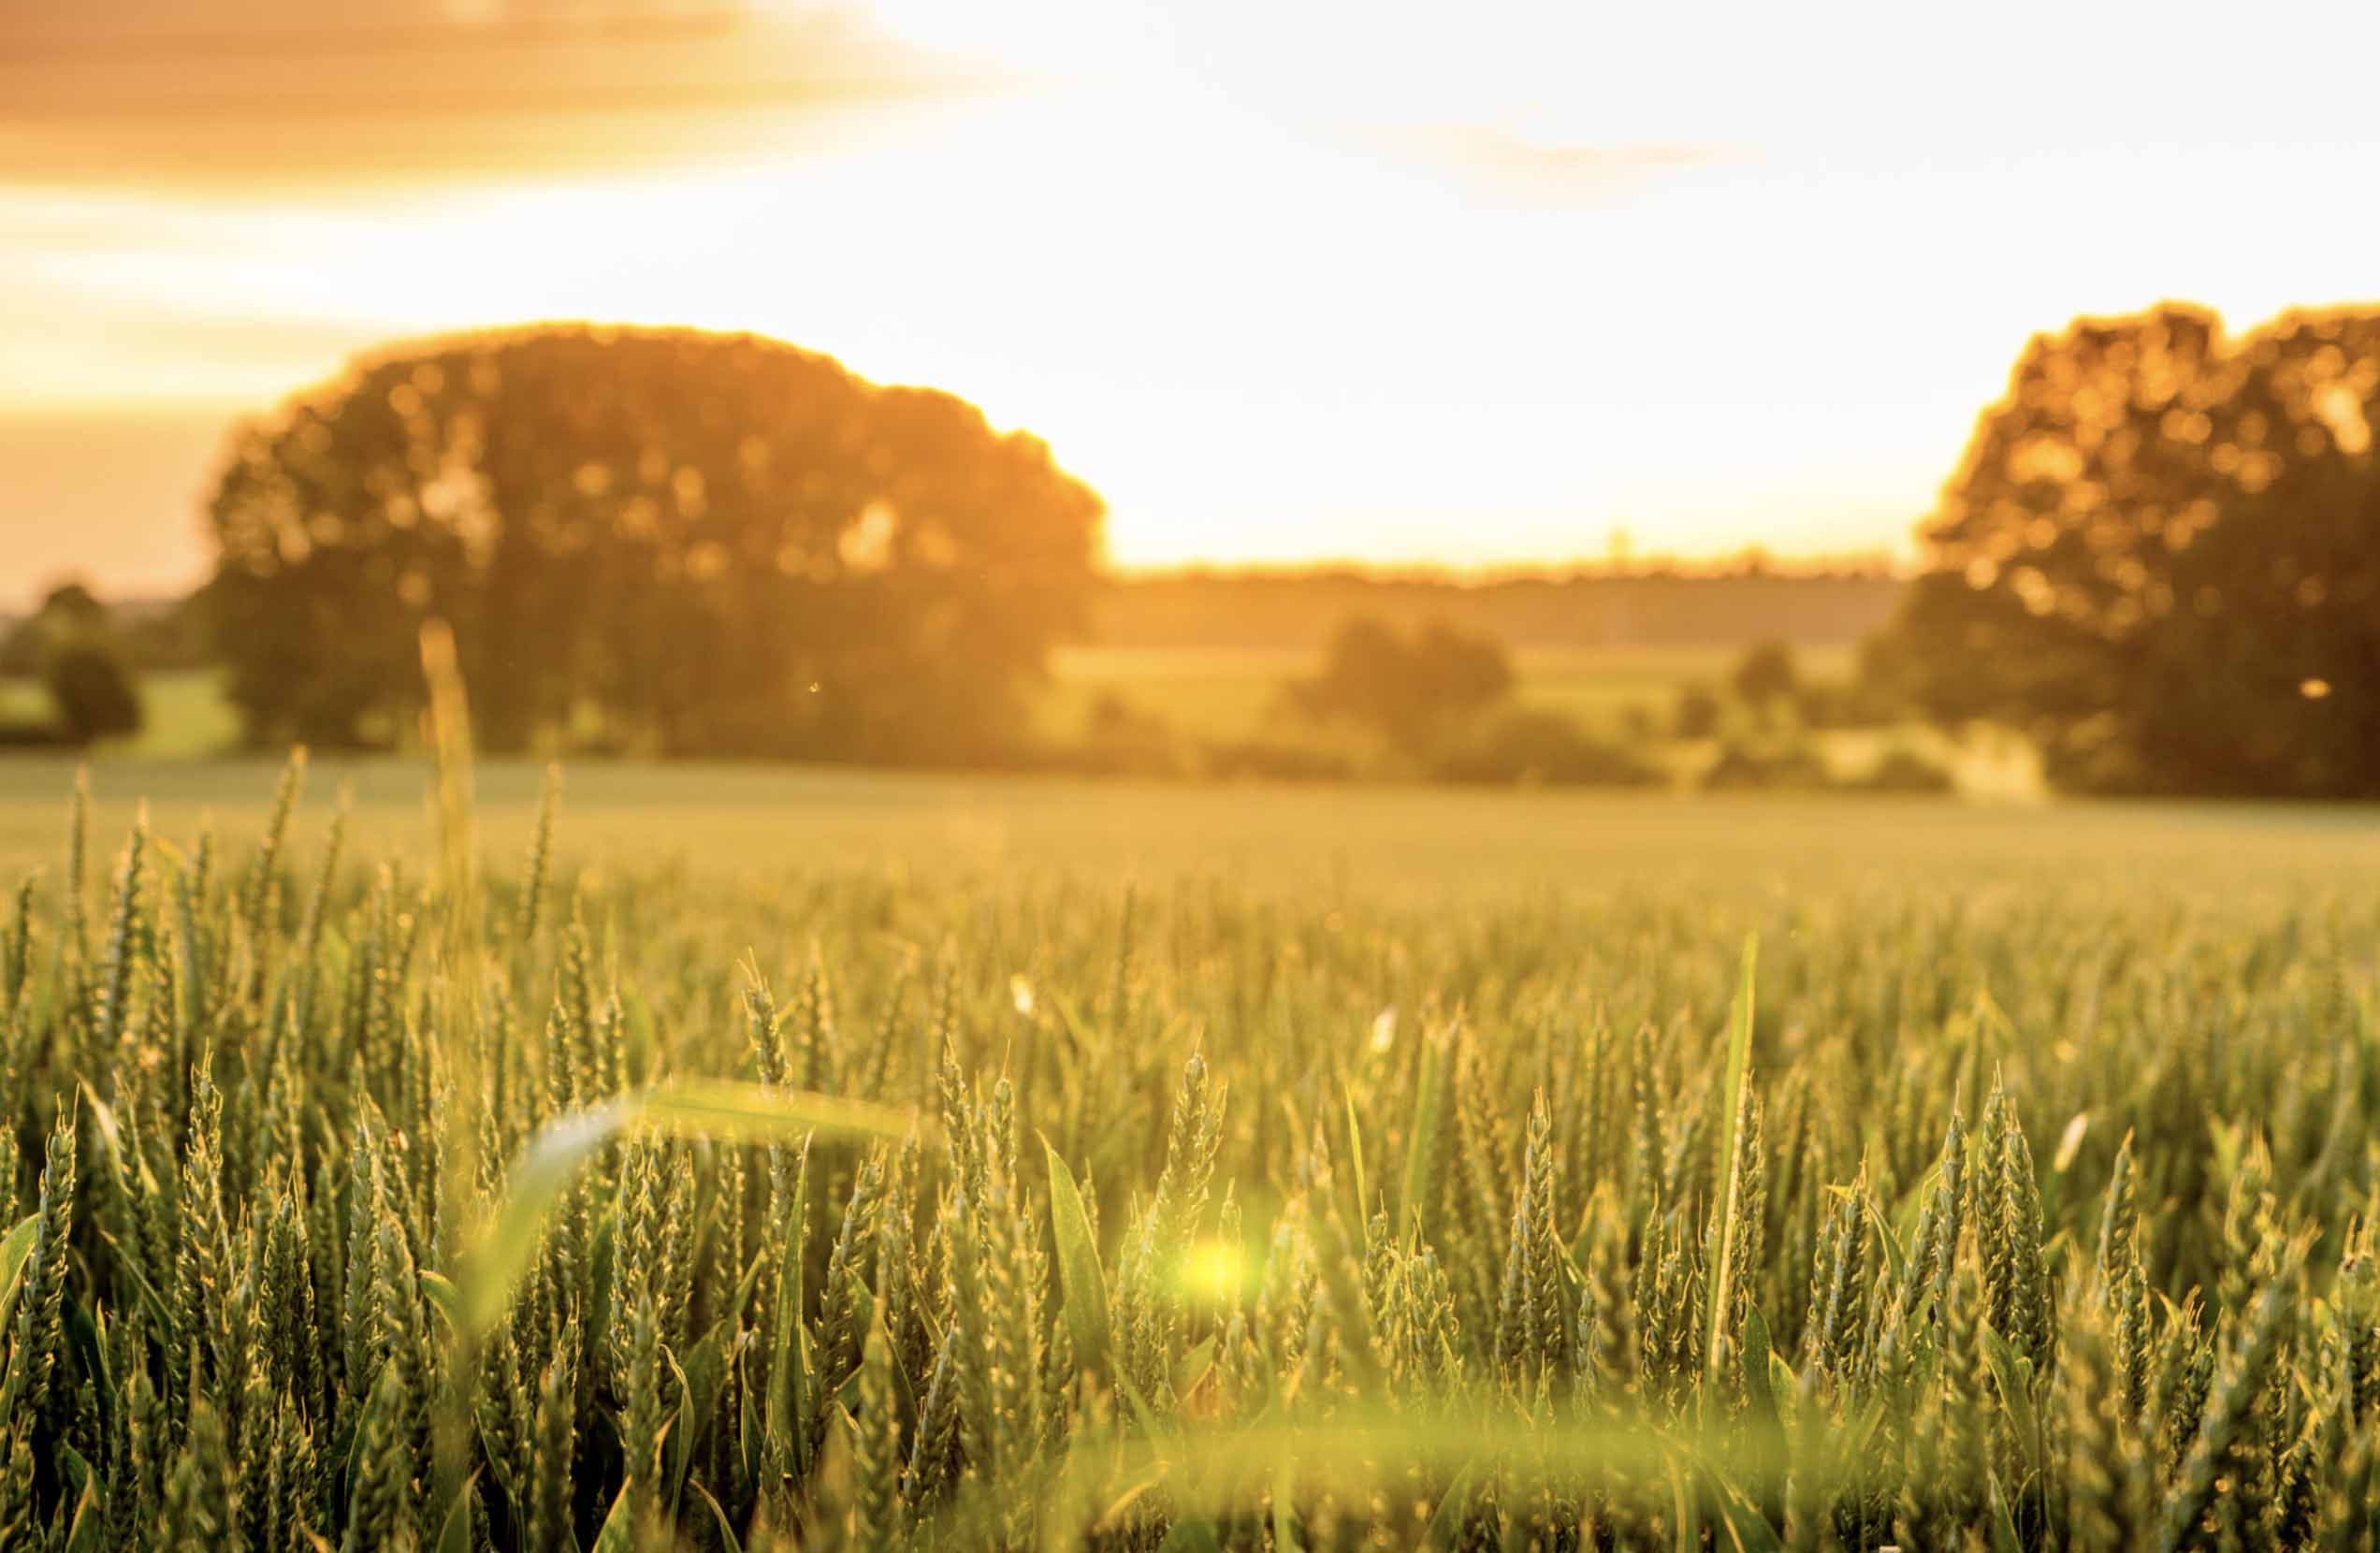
{"x": 392, "y": 1174}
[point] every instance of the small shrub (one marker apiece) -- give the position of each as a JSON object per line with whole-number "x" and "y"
{"x": 1276, "y": 759}
{"x": 1121, "y": 740}
{"x": 1907, "y": 771}
{"x": 1532, "y": 745}
{"x": 1742, "y": 767}
{"x": 1698, "y": 712}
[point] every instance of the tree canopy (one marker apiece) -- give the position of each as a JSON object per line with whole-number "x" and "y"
{"x": 2160, "y": 558}
{"x": 664, "y": 540}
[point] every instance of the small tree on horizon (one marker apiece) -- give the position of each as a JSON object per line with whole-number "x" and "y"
{"x": 1697, "y": 712}
{"x": 1410, "y": 690}
{"x": 71, "y": 644}
{"x": 1765, "y": 675}
{"x": 92, "y": 693}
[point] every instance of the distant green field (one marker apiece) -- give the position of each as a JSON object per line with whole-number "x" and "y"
{"x": 1203, "y": 692}
{"x": 183, "y": 715}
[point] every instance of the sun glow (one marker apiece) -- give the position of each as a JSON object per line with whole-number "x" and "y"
{"x": 1377, "y": 289}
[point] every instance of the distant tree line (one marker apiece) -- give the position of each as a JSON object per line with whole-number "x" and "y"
{"x": 658, "y": 540}
{"x": 150, "y": 634}
{"x": 1441, "y": 704}
{"x": 1733, "y": 604}
{"x": 1730, "y": 605}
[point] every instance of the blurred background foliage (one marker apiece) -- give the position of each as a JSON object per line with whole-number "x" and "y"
{"x": 2153, "y": 573}
{"x": 2160, "y": 560}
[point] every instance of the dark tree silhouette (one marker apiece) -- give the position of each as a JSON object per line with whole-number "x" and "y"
{"x": 90, "y": 691}
{"x": 72, "y": 645}
{"x": 695, "y": 544}
{"x": 2161, "y": 559}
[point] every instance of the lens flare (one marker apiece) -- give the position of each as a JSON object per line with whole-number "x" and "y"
{"x": 1215, "y": 1271}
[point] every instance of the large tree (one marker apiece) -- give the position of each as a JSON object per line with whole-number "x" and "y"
{"x": 2161, "y": 559}
{"x": 671, "y": 541}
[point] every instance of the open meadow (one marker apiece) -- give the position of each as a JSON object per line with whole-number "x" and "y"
{"x": 757, "y": 1157}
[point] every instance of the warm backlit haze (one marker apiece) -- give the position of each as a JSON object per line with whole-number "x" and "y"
{"x": 1472, "y": 285}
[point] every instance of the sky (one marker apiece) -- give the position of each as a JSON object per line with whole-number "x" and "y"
{"x": 1484, "y": 285}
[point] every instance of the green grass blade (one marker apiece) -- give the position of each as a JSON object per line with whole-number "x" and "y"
{"x": 707, "y": 1108}
{"x": 538, "y": 1177}
{"x": 455, "y": 1534}
{"x": 1421, "y": 1161}
{"x": 726, "y": 1112}
{"x": 789, "y": 1381}
{"x": 13, "y": 1252}
{"x": 1730, "y": 1104}
{"x": 1084, "y": 1285}
{"x": 1356, "y": 1160}
{"x": 727, "y": 1538}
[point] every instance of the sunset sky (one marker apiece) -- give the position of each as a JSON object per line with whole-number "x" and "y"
{"x": 1471, "y": 284}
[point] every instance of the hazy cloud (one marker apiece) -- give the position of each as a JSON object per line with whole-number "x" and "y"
{"x": 114, "y": 496}
{"x": 1500, "y": 168}
{"x": 165, "y": 94}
